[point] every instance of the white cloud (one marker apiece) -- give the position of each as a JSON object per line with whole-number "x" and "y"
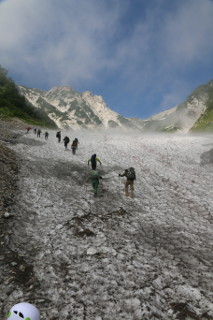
{"x": 73, "y": 42}
{"x": 66, "y": 39}
{"x": 188, "y": 32}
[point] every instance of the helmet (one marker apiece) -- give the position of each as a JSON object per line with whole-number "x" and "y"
{"x": 23, "y": 311}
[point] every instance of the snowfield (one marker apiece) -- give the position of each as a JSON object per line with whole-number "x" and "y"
{"x": 113, "y": 257}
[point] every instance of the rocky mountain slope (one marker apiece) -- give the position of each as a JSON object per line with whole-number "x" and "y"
{"x": 71, "y": 109}
{"x": 184, "y": 116}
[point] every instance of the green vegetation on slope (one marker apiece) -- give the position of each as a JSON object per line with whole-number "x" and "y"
{"x": 13, "y": 105}
{"x": 205, "y": 122}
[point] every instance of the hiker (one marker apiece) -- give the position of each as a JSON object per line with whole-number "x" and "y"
{"x": 95, "y": 179}
{"x": 28, "y": 129}
{"x": 58, "y": 135}
{"x": 74, "y": 145}
{"x": 66, "y": 141}
{"x": 23, "y": 310}
{"x": 35, "y": 130}
{"x": 38, "y": 133}
{"x": 46, "y": 135}
{"x": 130, "y": 177}
{"x": 77, "y": 141}
{"x": 93, "y": 161}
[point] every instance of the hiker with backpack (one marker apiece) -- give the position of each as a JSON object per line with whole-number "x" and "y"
{"x": 74, "y": 145}
{"x": 130, "y": 177}
{"x": 38, "y": 133}
{"x": 93, "y": 161}
{"x": 46, "y": 135}
{"x": 66, "y": 141}
{"x": 95, "y": 180}
{"x": 58, "y": 135}
{"x": 77, "y": 142}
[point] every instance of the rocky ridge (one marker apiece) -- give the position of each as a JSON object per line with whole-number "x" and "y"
{"x": 75, "y": 110}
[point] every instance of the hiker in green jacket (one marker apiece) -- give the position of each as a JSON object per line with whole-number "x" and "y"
{"x": 95, "y": 179}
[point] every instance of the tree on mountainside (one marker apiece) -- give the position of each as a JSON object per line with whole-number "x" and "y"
{"x": 12, "y": 104}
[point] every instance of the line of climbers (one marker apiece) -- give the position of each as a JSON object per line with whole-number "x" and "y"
{"x": 38, "y": 132}
{"x": 95, "y": 175}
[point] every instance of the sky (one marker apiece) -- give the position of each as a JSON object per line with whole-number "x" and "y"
{"x": 141, "y": 56}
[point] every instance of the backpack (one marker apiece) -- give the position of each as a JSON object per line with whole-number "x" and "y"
{"x": 57, "y": 134}
{"x": 130, "y": 174}
{"x": 74, "y": 144}
{"x": 93, "y": 159}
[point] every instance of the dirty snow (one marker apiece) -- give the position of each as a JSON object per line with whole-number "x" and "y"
{"x": 113, "y": 257}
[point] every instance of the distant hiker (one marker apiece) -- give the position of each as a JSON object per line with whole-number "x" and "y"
{"x": 46, "y": 135}
{"x": 39, "y": 133}
{"x": 28, "y": 129}
{"x": 95, "y": 179}
{"x": 77, "y": 141}
{"x": 35, "y": 130}
{"x": 58, "y": 135}
{"x": 74, "y": 145}
{"x": 130, "y": 177}
{"x": 23, "y": 310}
{"x": 66, "y": 141}
{"x": 93, "y": 161}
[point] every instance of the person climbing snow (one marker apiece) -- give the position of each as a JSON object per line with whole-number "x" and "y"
{"x": 77, "y": 141}
{"x": 66, "y": 141}
{"x": 58, "y": 135}
{"x": 93, "y": 161}
{"x": 130, "y": 177}
{"x": 46, "y": 135}
{"x": 38, "y": 133}
{"x": 74, "y": 146}
{"x": 95, "y": 180}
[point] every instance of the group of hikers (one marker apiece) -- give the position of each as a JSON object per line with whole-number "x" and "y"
{"x": 95, "y": 175}
{"x": 74, "y": 145}
{"x": 38, "y": 132}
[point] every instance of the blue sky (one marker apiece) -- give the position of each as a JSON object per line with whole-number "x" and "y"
{"x": 141, "y": 56}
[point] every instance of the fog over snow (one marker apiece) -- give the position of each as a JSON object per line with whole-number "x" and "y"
{"x": 112, "y": 257}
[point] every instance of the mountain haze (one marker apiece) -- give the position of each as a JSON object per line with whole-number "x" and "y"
{"x": 196, "y": 113}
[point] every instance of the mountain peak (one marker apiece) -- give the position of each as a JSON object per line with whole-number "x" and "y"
{"x": 71, "y": 109}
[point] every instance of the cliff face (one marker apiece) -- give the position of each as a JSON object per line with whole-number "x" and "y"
{"x": 71, "y": 109}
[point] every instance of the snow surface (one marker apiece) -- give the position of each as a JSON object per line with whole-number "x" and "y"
{"x": 113, "y": 257}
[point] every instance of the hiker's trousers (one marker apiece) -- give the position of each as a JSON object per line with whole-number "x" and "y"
{"x": 95, "y": 184}
{"x": 129, "y": 183}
